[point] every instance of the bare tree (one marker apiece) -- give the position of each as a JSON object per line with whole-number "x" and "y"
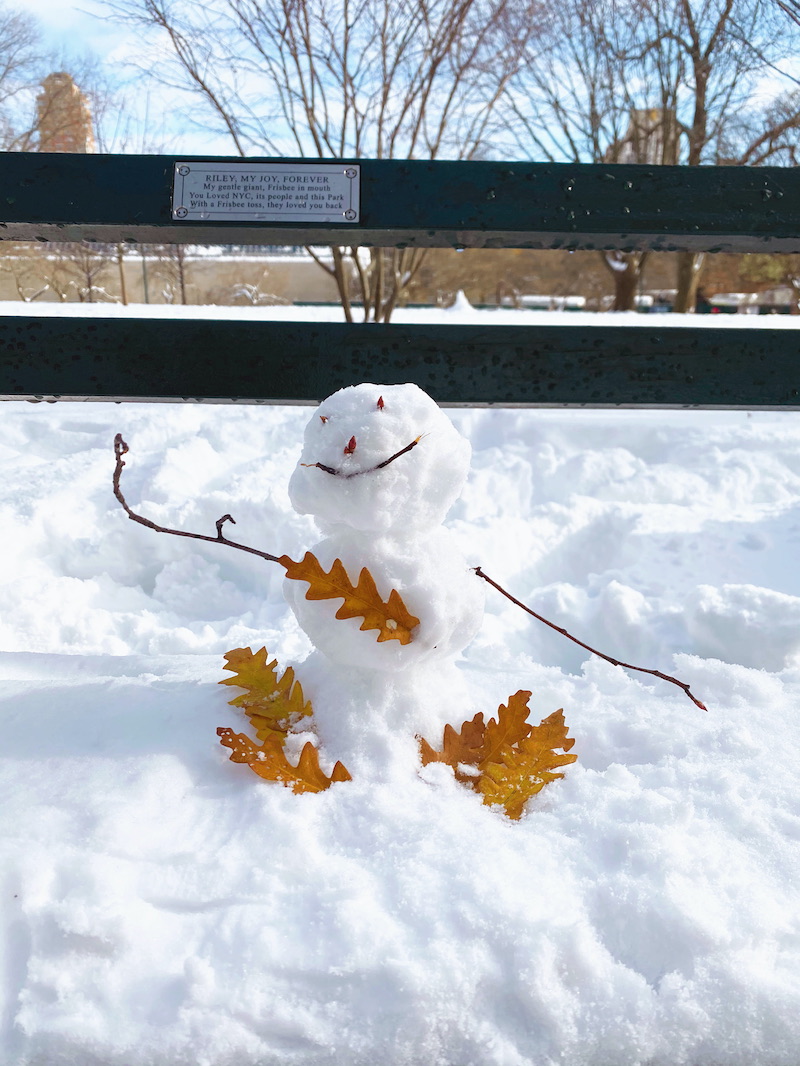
{"x": 576, "y": 99}
{"x": 702, "y": 67}
{"x": 790, "y": 8}
{"x": 83, "y": 271}
{"x": 172, "y": 269}
{"x": 34, "y": 273}
{"x": 21, "y": 55}
{"x": 353, "y": 78}
{"x": 725, "y": 48}
{"x": 89, "y": 265}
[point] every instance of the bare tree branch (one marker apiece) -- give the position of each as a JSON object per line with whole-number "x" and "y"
{"x": 594, "y": 651}
{"x": 121, "y": 449}
{"x": 361, "y": 78}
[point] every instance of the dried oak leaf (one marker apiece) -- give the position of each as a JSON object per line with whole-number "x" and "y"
{"x": 510, "y": 728}
{"x": 269, "y": 761}
{"x": 479, "y": 742}
{"x": 391, "y": 618}
{"x": 507, "y": 760}
{"x": 519, "y": 771}
{"x": 462, "y": 749}
{"x": 273, "y": 705}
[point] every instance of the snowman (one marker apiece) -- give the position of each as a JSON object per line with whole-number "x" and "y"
{"x": 380, "y": 468}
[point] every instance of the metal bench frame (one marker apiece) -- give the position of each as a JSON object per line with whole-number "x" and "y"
{"x": 69, "y": 198}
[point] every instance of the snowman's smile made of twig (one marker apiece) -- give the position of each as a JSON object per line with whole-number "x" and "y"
{"x": 350, "y": 449}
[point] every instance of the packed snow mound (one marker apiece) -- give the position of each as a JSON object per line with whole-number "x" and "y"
{"x": 433, "y": 579}
{"x": 761, "y": 624}
{"x": 460, "y": 304}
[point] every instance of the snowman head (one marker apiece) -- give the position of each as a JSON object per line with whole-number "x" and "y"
{"x": 350, "y": 474}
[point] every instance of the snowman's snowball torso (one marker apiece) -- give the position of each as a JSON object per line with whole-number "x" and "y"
{"x": 387, "y": 520}
{"x": 430, "y": 575}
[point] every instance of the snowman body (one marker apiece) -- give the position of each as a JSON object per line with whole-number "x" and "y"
{"x": 380, "y": 468}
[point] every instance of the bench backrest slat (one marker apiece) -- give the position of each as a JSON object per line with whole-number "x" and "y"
{"x": 68, "y": 198}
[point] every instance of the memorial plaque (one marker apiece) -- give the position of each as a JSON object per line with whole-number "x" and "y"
{"x": 266, "y": 192}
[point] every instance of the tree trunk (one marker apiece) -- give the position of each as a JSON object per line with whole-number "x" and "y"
{"x": 121, "y": 268}
{"x": 689, "y": 268}
{"x": 180, "y": 259}
{"x": 380, "y": 285}
{"x": 626, "y": 270}
{"x": 625, "y": 284}
{"x": 342, "y": 279}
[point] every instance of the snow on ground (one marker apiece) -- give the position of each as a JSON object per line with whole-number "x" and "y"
{"x": 162, "y": 905}
{"x": 461, "y": 311}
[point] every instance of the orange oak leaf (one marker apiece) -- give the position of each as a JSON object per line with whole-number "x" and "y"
{"x": 391, "y": 618}
{"x": 269, "y": 762}
{"x": 509, "y": 729}
{"x": 507, "y": 760}
{"x": 273, "y": 705}
{"x": 479, "y": 742}
{"x": 520, "y": 771}
{"x": 462, "y": 749}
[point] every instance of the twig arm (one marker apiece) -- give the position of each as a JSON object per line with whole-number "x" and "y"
{"x": 121, "y": 449}
{"x": 594, "y": 651}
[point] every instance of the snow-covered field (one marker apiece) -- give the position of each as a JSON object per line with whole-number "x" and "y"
{"x": 162, "y": 905}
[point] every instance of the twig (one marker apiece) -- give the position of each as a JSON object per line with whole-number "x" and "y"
{"x": 594, "y": 651}
{"x": 120, "y": 449}
{"x": 369, "y": 470}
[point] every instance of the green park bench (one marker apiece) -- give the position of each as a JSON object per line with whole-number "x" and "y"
{"x": 107, "y": 198}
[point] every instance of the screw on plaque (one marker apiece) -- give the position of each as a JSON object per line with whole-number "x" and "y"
{"x": 183, "y": 170}
{"x": 350, "y": 214}
{"x": 351, "y": 172}
{"x": 181, "y": 212}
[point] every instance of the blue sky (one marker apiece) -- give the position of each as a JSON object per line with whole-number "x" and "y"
{"x": 77, "y": 28}
{"x": 83, "y": 26}
{"x": 73, "y": 25}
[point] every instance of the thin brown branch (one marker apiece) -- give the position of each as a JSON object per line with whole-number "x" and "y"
{"x": 594, "y": 651}
{"x": 369, "y": 470}
{"x": 120, "y": 449}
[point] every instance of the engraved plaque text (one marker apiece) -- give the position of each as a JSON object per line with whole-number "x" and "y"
{"x": 266, "y": 192}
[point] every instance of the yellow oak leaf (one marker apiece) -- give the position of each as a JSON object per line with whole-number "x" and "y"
{"x": 519, "y": 771}
{"x": 269, "y": 761}
{"x": 391, "y": 618}
{"x": 273, "y": 705}
{"x": 479, "y": 742}
{"x": 507, "y": 760}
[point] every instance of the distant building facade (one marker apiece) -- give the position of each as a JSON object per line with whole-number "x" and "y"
{"x": 63, "y": 116}
{"x": 651, "y": 137}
